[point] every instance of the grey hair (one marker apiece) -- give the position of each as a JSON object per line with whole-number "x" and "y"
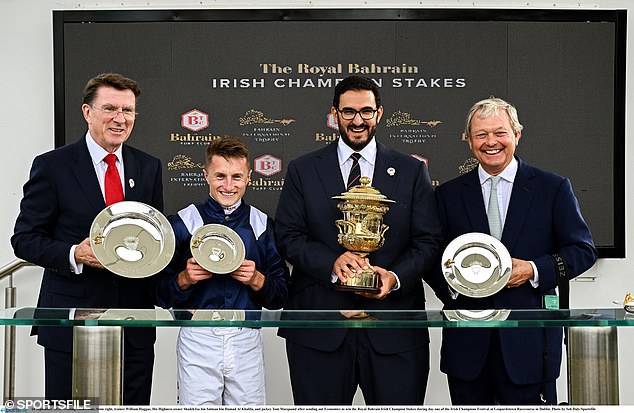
{"x": 491, "y": 107}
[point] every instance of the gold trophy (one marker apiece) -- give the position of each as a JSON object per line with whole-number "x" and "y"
{"x": 362, "y": 230}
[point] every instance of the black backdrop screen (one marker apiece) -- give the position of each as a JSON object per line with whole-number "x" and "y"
{"x": 268, "y": 76}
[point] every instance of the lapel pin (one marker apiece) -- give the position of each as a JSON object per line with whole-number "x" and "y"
{"x": 391, "y": 171}
{"x": 131, "y": 183}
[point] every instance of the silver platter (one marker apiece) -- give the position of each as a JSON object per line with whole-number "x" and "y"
{"x": 476, "y": 264}
{"x": 476, "y": 315}
{"x": 217, "y": 248}
{"x": 132, "y": 239}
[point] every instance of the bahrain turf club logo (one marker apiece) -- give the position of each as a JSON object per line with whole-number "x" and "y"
{"x": 267, "y": 165}
{"x": 195, "y": 120}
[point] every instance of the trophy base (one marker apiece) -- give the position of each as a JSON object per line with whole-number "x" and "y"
{"x": 365, "y": 281}
{"x": 357, "y": 289}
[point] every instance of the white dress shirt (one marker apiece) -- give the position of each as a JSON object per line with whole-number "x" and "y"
{"x": 366, "y": 162}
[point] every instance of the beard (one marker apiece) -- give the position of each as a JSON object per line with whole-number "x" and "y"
{"x": 357, "y": 145}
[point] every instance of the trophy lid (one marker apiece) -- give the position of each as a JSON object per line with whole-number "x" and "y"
{"x": 363, "y": 192}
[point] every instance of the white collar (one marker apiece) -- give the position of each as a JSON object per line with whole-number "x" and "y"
{"x": 368, "y": 152}
{"x": 508, "y": 174}
{"x": 228, "y": 210}
{"x": 97, "y": 153}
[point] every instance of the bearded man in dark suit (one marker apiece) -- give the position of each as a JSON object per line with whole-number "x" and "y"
{"x": 391, "y": 366}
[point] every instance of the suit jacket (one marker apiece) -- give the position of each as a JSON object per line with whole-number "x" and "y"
{"x": 543, "y": 218}
{"x": 307, "y": 239}
{"x": 61, "y": 199}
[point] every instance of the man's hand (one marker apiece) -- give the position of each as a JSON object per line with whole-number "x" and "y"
{"x": 191, "y": 274}
{"x": 522, "y": 272}
{"x": 85, "y": 255}
{"x": 387, "y": 281}
{"x": 347, "y": 264}
{"x": 247, "y": 274}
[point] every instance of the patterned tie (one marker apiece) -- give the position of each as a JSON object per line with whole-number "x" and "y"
{"x": 355, "y": 172}
{"x": 112, "y": 181}
{"x": 493, "y": 211}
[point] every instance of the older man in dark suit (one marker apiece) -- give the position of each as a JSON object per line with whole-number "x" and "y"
{"x": 537, "y": 217}
{"x": 66, "y": 190}
{"x": 390, "y": 365}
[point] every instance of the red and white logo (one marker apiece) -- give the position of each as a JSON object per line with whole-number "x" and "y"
{"x": 195, "y": 120}
{"x": 267, "y": 165}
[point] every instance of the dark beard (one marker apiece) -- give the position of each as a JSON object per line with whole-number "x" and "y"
{"x": 356, "y": 146}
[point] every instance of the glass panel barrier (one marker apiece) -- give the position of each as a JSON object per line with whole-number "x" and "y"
{"x": 592, "y": 348}
{"x": 605, "y": 317}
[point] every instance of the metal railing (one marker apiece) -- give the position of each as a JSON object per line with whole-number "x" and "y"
{"x": 9, "y": 331}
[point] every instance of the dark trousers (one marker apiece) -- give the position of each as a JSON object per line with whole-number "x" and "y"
{"x": 138, "y": 364}
{"x": 331, "y": 377}
{"x": 494, "y": 387}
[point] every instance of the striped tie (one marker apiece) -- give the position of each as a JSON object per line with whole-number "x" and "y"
{"x": 355, "y": 171}
{"x": 493, "y": 211}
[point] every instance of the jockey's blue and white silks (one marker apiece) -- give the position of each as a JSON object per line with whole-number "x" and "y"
{"x": 222, "y": 291}
{"x": 223, "y": 365}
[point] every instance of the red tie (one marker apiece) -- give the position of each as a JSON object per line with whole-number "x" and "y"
{"x": 112, "y": 182}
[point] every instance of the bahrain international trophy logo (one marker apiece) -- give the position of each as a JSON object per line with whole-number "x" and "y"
{"x": 263, "y": 129}
{"x": 468, "y": 165}
{"x": 410, "y": 130}
{"x": 181, "y": 161}
{"x": 399, "y": 118}
{"x": 255, "y": 117}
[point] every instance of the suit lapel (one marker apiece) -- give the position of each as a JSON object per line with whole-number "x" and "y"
{"x": 132, "y": 175}
{"x": 329, "y": 173}
{"x": 85, "y": 173}
{"x": 521, "y": 198}
{"x": 474, "y": 203}
{"x": 383, "y": 180}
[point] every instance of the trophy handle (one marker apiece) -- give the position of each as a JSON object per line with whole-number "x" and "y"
{"x": 383, "y": 229}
